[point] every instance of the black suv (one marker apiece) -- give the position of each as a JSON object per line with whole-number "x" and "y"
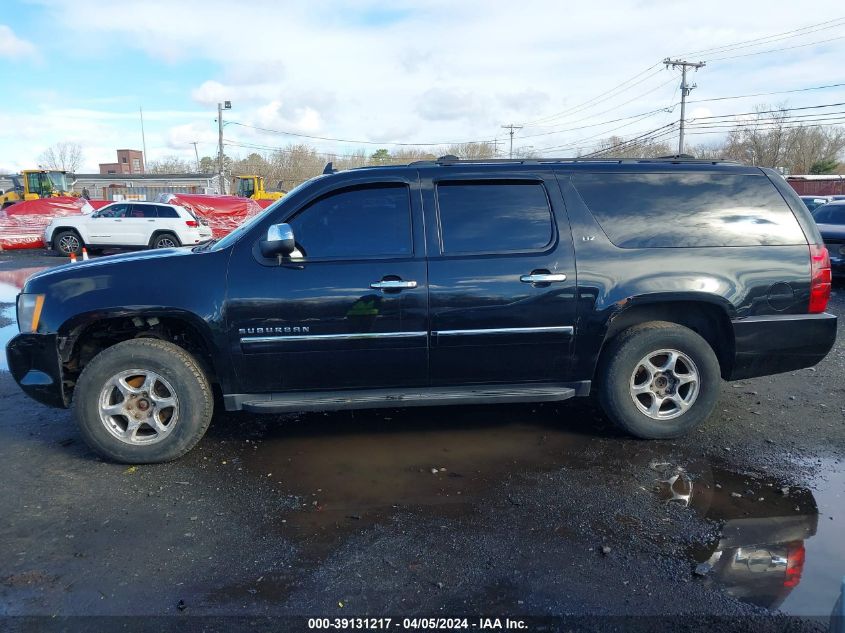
{"x": 442, "y": 282}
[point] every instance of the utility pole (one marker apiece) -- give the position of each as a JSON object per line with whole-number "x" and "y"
{"x": 685, "y": 90}
{"x": 143, "y": 137}
{"x": 196, "y": 153}
{"x": 511, "y": 129}
{"x": 220, "y": 107}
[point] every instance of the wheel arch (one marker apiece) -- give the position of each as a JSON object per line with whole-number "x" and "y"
{"x": 159, "y": 232}
{"x": 61, "y": 229}
{"x": 707, "y": 316}
{"x": 84, "y": 335}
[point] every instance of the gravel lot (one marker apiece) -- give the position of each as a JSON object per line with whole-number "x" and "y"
{"x": 505, "y": 511}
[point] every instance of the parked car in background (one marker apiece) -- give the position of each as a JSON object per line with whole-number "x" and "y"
{"x": 127, "y": 225}
{"x": 830, "y": 218}
{"x": 813, "y": 202}
{"x": 442, "y": 282}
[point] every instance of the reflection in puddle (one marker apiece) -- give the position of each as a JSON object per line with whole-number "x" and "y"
{"x": 774, "y": 548}
{"x": 11, "y": 282}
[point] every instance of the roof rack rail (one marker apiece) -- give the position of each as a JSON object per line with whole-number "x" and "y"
{"x": 452, "y": 160}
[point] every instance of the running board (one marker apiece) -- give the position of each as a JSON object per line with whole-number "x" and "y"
{"x": 406, "y": 397}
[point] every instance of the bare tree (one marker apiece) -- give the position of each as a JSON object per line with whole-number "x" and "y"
{"x": 170, "y": 165}
{"x": 619, "y": 147}
{"x": 65, "y": 156}
{"x": 472, "y": 151}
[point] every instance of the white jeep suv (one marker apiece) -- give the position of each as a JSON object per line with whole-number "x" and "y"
{"x": 127, "y": 225}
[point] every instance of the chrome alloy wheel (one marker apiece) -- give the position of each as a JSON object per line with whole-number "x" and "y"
{"x": 69, "y": 244}
{"x": 166, "y": 242}
{"x": 664, "y": 384}
{"x": 138, "y": 406}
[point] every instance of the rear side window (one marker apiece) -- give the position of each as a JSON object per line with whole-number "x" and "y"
{"x": 830, "y": 214}
{"x": 167, "y": 212}
{"x": 688, "y": 209}
{"x": 141, "y": 211}
{"x": 356, "y": 222}
{"x": 493, "y": 217}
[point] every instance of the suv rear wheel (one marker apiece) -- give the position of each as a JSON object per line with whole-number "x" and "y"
{"x": 143, "y": 401}
{"x": 165, "y": 240}
{"x": 659, "y": 380}
{"x": 67, "y": 242}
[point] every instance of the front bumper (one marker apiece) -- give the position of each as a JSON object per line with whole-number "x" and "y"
{"x": 773, "y": 344}
{"x": 34, "y": 364}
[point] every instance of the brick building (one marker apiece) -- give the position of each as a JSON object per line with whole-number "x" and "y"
{"x": 129, "y": 161}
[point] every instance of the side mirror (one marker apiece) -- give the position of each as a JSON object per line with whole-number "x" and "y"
{"x": 279, "y": 241}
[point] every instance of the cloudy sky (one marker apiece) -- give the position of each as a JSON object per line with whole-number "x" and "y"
{"x": 392, "y": 71}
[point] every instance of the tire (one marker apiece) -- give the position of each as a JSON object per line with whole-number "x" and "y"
{"x": 159, "y": 373}
{"x": 67, "y": 242}
{"x": 165, "y": 240}
{"x": 649, "y": 400}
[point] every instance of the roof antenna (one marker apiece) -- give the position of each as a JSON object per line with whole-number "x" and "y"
{"x": 328, "y": 169}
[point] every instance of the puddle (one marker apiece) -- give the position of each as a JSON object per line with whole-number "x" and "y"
{"x": 361, "y": 466}
{"x": 11, "y": 282}
{"x": 779, "y": 547}
{"x": 824, "y": 566}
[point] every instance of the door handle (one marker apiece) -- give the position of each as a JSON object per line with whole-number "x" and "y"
{"x": 542, "y": 278}
{"x": 393, "y": 284}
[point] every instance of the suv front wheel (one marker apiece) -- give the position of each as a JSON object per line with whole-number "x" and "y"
{"x": 67, "y": 243}
{"x": 143, "y": 401}
{"x": 659, "y": 380}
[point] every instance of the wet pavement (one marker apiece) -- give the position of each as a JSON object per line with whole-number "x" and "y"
{"x": 519, "y": 510}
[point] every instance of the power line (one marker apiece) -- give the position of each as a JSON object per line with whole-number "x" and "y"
{"x": 598, "y": 97}
{"x": 656, "y": 132}
{"x": 766, "y": 94}
{"x": 586, "y": 139}
{"x": 762, "y": 129}
{"x": 778, "y": 50}
{"x": 815, "y": 107}
{"x": 616, "y": 107}
{"x": 630, "y": 143}
{"x": 638, "y": 116}
{"x": 799, "y": 32}
{"x": 355, "y": 141}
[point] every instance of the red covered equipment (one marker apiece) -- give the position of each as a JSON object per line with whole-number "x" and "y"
{"x": 22, "y": 224}
{"x": 223, "y": 213}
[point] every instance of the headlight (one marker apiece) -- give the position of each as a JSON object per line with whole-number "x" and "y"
{"x": 29, "y": 311}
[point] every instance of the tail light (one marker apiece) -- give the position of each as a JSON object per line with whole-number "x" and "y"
{"x": 194, "y": 224}
{"x": 795, "y": 557}
{"x": 819, "y": 278}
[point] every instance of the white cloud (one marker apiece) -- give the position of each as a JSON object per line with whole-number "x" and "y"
{"x": 439, "y": 70}
{"x": 12, "y": 46}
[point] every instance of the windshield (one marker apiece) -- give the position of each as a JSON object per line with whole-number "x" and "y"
{"x": 59, "y": 181}
{"x": 233, "y": 237}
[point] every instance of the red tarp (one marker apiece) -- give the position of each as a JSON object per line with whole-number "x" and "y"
{"x": 223, "y": 213}
{"x": 22, "y": 224}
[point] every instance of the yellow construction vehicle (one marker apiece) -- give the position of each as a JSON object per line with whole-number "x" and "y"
{"x": 252, "y": 186}
{"x": 32, "y": 184}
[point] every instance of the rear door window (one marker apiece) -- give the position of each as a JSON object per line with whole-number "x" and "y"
{"x": 493, "y": 217}
{"x": 145, "y": 211}
{"x": 638, "y": 210}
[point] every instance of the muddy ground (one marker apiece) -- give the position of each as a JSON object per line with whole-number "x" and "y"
{"x": 499, "y": 511}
